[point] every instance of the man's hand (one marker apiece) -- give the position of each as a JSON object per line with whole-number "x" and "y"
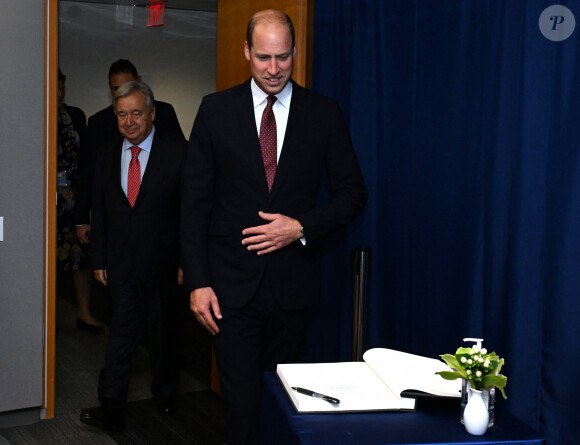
{"x": 101, "y": 275}
{"x": 276, "y": 234}
{"x": 179, "y": 276}
{"x": 83, "y": 233}
{"x": 202, "y": 303}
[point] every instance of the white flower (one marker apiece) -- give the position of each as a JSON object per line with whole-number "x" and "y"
{"x": 468, "y": 372}
{"x": 476, "y": 348}
{"x": 486, "y": 364}
{"x": 480, "y": 359}
{"x": 483, "y": 351}
{"x": 478, "y": 374}
{"x": 469, "y": 362}
{"x": 471, "y": 352}
{"x": 463, "y": 360}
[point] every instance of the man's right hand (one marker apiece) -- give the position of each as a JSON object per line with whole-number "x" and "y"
{"x": 101, "y": 276}
{"x": 203, "y": 302}
{"x": 83, "y": 233}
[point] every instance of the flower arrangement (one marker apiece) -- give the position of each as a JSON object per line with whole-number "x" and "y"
{"x": 477, "y": 366}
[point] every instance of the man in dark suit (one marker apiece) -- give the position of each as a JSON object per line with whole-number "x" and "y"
{"x": 102, "y": 128}
{"x": 250, "y": 231}
{"x": 135, "y": 252}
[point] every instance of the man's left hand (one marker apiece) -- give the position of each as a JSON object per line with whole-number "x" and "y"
{"x": 279, "y": 232}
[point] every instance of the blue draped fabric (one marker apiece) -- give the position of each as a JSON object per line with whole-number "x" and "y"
{"x": 466, "y": 120}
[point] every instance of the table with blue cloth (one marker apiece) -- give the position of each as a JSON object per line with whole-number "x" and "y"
{"x": 435, "y": 421}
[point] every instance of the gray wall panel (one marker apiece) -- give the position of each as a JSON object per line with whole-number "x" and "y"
{"x": 22, "y": 204}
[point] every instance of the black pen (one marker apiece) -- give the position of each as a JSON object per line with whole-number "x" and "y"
{"x": 315, "y": 394}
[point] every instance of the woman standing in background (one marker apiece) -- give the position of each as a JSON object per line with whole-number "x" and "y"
{"x": 70, "y": 254}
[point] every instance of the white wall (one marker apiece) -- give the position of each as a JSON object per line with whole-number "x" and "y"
{"x": 177, "y": 59}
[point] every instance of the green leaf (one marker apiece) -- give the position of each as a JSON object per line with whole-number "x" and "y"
{"x": 499, "y": 381}
{"x": 449, "y": 375}
{"x": 462, "y": 351}
{"x": 452, "y": 362}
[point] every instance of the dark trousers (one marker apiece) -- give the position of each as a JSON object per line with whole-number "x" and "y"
{"x": 135, "y": 309}
{"x": 253, "y": 339}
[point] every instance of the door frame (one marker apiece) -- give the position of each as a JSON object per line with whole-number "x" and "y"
{"x": 50, "y": 143}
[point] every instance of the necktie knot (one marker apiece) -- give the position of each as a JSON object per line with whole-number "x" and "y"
{"x": 271, "y": 100}
{"x": 135, "y": 151}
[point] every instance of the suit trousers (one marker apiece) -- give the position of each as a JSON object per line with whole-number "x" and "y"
{"x": 158, "y": 312}
{"x": 252, "y": 340}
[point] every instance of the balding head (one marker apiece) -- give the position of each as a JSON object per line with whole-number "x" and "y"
{"x": 269, "y": 16}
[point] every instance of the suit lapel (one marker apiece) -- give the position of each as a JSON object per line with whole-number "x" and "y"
{"x": 115, "y": 182}
{"x": 154, "y": 163}
{"x": 292, "y": 138}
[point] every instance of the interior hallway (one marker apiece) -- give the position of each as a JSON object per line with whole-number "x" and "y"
{"x": 79, "y": 358}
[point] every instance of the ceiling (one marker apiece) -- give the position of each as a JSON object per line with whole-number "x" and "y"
{"x": 192, "y": 5}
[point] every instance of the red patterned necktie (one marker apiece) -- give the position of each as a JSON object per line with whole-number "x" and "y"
{"x": 268, "y": 141}
{"x": 134, "y": 177}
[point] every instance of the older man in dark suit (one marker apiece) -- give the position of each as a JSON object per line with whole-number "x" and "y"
{"x": 251, "y": 220}
{"x": 102, "y": 128}
{"x": 135, "y": 251}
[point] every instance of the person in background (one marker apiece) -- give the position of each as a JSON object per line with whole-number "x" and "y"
{"x": 103, "y": 127}
{"x": 251, "y": 217}
{"x": 135, "y": 253}
{"x": 71, "y": 255}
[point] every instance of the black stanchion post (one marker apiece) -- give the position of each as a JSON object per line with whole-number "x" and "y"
{"x": 360, "y": 259}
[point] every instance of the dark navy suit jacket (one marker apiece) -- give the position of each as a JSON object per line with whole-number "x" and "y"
{"x": 225, "y": 187}
{"x": 102, "y": 128}
{"x": 141, "y": 241}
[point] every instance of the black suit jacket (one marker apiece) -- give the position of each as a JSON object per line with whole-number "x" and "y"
{"x": 140, "y": 241}
{"x": 102, "y": 129}
{"x": 225, "y": 187}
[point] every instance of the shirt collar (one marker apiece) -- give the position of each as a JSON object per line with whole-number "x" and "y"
{"x": 259, "y": 96}
{"x": 144, "y": 145}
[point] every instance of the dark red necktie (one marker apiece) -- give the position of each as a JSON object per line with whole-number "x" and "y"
{"x": 268, "y": 141}
{"x": 134, "y": 177}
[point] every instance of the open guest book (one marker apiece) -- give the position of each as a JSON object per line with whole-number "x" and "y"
{"x": 387, "y": 380}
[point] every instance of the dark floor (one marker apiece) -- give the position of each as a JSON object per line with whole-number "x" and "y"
{"x": 79, "y": 358}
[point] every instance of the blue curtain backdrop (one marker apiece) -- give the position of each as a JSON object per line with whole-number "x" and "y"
{"x": 466, "y": 120}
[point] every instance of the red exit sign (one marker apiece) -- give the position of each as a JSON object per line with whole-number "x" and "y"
{"x": 156, "y": 11}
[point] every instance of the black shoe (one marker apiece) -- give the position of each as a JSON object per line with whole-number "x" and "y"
{"x": 92, "y": 328}
{"x": 105, "y": 420}
{"x": 167, "y": 404}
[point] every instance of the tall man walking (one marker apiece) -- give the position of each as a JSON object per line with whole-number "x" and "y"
{"x": 251, "y": 220}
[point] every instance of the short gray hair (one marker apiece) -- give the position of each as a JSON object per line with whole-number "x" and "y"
{"x": 129, "y": 88}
